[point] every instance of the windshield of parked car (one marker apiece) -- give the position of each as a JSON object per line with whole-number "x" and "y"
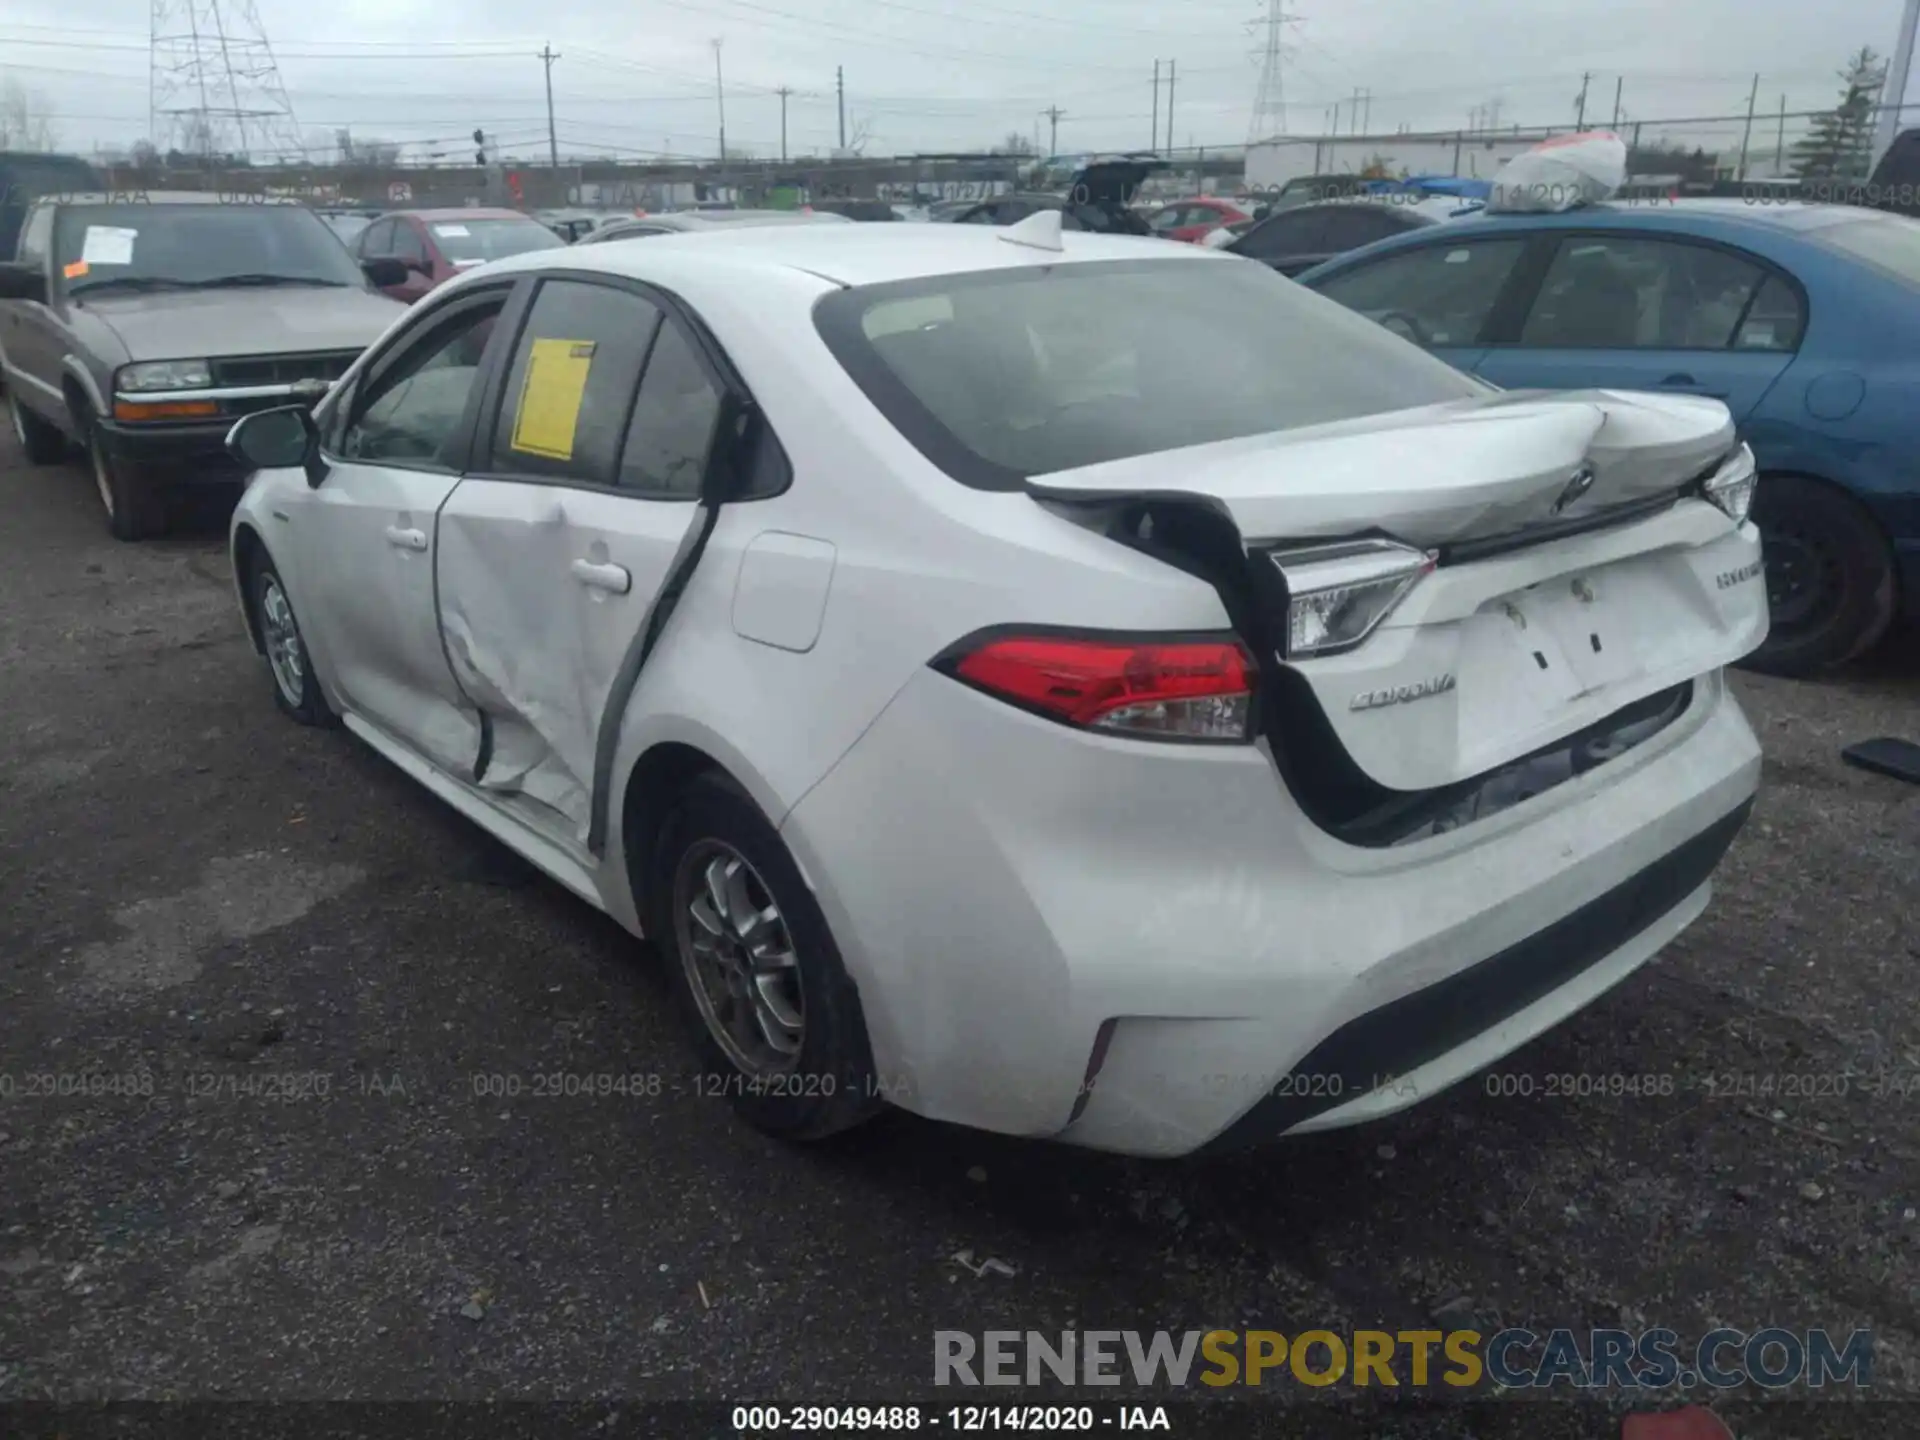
{"x": 1030, "y": 370}
{"x": 1891, "y": 242}
{"x": 148, "y": 246}
{"x": 481, "y": 240}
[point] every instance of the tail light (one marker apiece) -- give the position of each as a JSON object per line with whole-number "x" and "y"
{"x": 1338, "y": 594}
{"x": 1731, "y": 486}
{"x": 1186, "y": 689}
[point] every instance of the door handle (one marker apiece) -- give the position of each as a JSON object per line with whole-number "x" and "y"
{"x": 406, "y": 539}
{"x": 612, "y": 578}
{"x": 1679, "y": 380}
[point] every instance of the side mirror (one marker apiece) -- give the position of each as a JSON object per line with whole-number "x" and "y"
{"x": 384, "y": 272}
{"x": 279, "y": 439}
{"x": 22, "y": 282}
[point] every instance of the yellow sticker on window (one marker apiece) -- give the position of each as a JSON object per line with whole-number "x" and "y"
{"x": 550, "y": 397}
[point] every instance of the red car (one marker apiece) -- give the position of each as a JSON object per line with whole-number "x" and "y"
{"x": 436, "y": 245}
{"x": 1190, "y": 219}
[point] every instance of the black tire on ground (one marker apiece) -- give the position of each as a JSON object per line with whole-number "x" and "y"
{"x": 295, "y": 690}
{"x": 134, "y": 502}
{"x": 828, "y": 1086}
{"x": 1831, "y": 583}
{"x": 40, "y": 439}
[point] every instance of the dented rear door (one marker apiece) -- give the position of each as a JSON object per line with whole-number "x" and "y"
{"x": 553, "y": 551}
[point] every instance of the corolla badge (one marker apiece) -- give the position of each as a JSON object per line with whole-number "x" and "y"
{"x": 1401, "y": 694}
{"x": 1581, "y": 482}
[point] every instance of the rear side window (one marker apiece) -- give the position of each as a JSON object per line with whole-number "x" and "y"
{"x": 673, "y": 422}
{"x": 1775, "y": 320}
{"x": 1891, "y": 242}
{"x": 35, "y": 235}
{"x": 1022, "y": 371}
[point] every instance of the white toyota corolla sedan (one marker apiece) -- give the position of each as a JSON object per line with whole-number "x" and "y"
{"x": 1064, "y": 684}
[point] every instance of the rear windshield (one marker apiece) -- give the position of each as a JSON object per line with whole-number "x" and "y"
{"x": 1003, "y": 374}
{"x": 490, "y": 239}
{"x": 1890, "y": 241}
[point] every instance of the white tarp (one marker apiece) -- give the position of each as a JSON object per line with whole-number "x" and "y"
{"x": 1561, "y": 173}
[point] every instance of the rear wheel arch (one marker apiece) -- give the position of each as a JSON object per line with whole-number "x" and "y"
{"x": 657, "y": 779}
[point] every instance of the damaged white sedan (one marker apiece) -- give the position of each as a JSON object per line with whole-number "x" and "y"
{"x": 1063, "y": 684}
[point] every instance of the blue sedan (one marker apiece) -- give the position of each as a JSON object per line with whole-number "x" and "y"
{"x": 1804, "y": 319}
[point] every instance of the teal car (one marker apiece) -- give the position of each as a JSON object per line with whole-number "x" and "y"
{"x": 1803, "y": 319}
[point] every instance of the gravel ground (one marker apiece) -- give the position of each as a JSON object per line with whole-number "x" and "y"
{"x": 312, "y": 959}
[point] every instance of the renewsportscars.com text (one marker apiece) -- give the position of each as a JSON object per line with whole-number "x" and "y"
{"x": 1657, "y": 1359}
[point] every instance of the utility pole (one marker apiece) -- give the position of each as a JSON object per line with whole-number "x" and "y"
{"x": 1747, "y": 134}
{"x": 1154, "y": 144}
{"x": 1899, "y": 77}
{"x": 1170, "y": 65}
{"x": 783, "y": 92}
{"x": 840, "y": 90}
{"x": 1618, "y": 81}
{"x": 1580, "y": 119}
{"x": 1366, "y": 99}
{"x": 720, "y": 95}
{"x": 1053, "y": 114}
{"x": 1780, "y": 141}
{"x": 547, "y": 57}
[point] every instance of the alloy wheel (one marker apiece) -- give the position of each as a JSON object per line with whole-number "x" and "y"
{"x": 739, "y": 959}
{"x": 286, "y": 656}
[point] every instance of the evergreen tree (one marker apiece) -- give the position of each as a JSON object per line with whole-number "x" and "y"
{"x": 1840, "y": 144}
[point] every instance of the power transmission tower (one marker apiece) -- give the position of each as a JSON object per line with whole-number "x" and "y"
{"x": 783, "y": 92}
{"x": 1269, "y": 103}
{"x": 213, "y": 85}
{"x": 1053, "y": 114}
{"x": 547, "y": 58}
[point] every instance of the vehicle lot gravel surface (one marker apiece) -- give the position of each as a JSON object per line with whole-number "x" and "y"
{"x": 344, "y": 1175}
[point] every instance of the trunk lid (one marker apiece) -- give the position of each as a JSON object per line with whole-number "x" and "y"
{"x": 1469, "y": 469}
{"x": 1569, "y": 587}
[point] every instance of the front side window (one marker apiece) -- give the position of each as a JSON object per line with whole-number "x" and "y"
{"x": 161, "y": 246}
{"x": 412, "y": 412}
{"x": 1435, "y": 295}
{"x": 407, "y": 244}
{"x": 1618, "y": 291}
{"x": 35, "y": 234}
{"x": 572, "y": 385}
{"x": 1023, "y": 371}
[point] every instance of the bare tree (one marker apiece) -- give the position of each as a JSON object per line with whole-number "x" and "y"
{"x": 144, "y": 156}
{"x": 1014, "y": 144}
{"x": 26, "y": 123}
{"x": 859, "y": 132}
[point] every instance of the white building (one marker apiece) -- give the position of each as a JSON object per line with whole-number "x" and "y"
{"x": 1271, "y": 163}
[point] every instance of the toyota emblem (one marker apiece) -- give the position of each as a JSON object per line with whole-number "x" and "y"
{"x": 1581, "y": 482}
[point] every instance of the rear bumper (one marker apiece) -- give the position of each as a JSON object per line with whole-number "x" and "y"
{"x": 194, "y": 453}
{"x": 1043, "y": 900}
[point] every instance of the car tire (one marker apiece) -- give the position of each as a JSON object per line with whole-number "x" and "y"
{"x": 136, "y": 507}
{"x": 295, "y": 690}
{"x": 40, "y": 439}
{"x": 825, "y": 1084}
{"x": 1832, "y": 588}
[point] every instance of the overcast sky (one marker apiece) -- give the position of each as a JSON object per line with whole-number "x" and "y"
{"x": 637, "y": 76}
